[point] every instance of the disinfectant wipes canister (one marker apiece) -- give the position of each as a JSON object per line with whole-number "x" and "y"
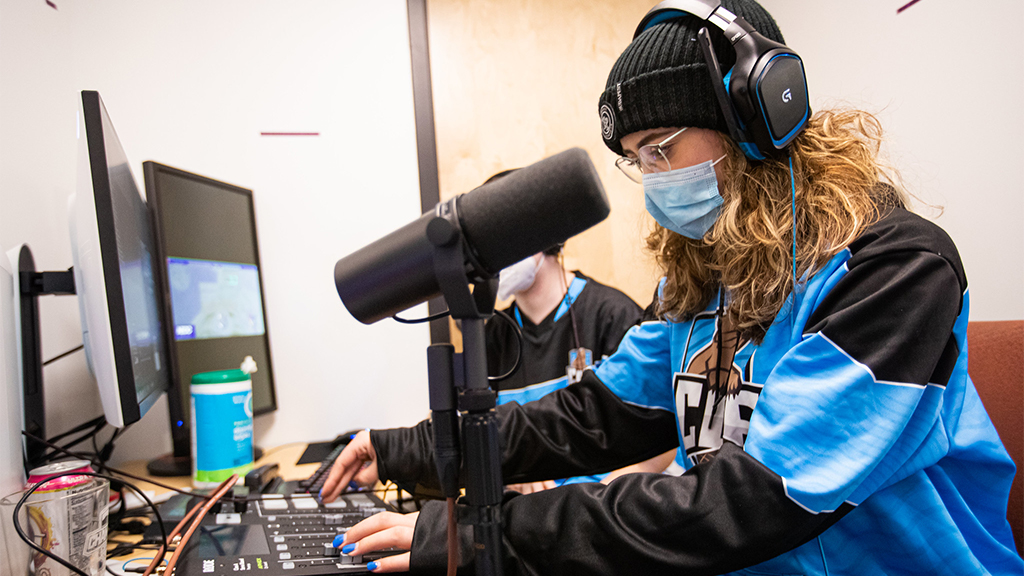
{"x": 221, "y": 426}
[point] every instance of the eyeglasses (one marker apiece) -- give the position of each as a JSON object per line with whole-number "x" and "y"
{"x": 650, "y": 158}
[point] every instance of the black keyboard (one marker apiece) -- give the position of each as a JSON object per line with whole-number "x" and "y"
{"x": 281, "y": 536}
{"x": 315, "y": 482}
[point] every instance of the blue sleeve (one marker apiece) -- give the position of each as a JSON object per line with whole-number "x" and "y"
{"x": 854, "y": 406}
{"x": 640, "y": 371}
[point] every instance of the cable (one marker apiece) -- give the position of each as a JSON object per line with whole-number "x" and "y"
{"x": 250, "y": 498}
{"x": 792, "y": 183}
{"x": 124, "y": 567}
{"x": 572, "y": 315}
{"x": 71, "y": 444}
{"x": 453, "y": 539}
{"x": 580, "y": 363}
{"x": 267, "y": 452}
{"x": 221, "y": 490}
{"x": 431, "y": 318}
{"x": 59, "y": 356}
{"x": 104, "y": 454}
{"x": 163, "y": 548}
{"x": 90, "y": 424}
{"x": 519, "y": 353}
{"x": 47, "y": 553}
{"x": 121, "y": 472}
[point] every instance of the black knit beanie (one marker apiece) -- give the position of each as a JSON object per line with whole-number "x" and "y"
{"x": 661, "y": 79}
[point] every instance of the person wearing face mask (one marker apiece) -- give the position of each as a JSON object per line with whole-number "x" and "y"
{"x": 806, "y": 350}
{"x": 568, "y": 322}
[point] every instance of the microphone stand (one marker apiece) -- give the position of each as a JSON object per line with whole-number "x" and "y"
{"x": 466, "y": 373}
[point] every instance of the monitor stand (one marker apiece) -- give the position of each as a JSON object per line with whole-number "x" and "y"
{"x": 29, "y": 286}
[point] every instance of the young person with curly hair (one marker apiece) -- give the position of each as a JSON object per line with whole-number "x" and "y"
{"x": 807, "y": 350}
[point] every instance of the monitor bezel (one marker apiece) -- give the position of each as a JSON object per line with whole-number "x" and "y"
{"x": 178, "y": 411}
{"x": 132, "y": 407}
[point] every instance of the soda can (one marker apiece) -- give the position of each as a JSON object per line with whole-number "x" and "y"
{"x": 68, "y": 520}
{"x": 37, "y": 475}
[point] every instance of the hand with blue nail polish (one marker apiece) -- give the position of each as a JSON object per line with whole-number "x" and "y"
{"x": 379, "y": 532}
{"x": 356, "y": 464}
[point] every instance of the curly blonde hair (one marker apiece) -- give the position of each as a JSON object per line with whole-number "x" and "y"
{"x": 840, "y": 191}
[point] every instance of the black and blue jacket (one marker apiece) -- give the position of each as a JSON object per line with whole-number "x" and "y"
{"x": 849, "y": 441}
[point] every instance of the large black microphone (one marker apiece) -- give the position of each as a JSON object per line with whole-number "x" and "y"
{"x": 501, "y": 223}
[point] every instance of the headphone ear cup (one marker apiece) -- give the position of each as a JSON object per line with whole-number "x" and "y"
{"x": 781, "y": 94}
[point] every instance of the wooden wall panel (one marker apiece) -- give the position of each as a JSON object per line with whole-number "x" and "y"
{"x": 516, "y": 81}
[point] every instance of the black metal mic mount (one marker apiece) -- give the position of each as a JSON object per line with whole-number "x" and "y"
{"x": 458, "y": 384}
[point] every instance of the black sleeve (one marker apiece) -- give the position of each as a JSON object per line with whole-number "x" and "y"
{"x": 579, "y": 430}
{"x": 616, "y": 318}
{"x": 722, "y": 515}
{"x": 702, "y": 522}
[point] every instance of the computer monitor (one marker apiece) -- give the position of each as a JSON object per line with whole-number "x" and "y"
{"x": 12, "y": 476}
{"x": 114, "y": 261}
{"x": 209, "y": 276}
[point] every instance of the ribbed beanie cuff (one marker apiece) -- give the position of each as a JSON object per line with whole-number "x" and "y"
{"x": 661, "y": 79}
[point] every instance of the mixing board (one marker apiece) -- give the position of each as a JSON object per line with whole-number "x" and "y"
{"x": 281, "y": 535}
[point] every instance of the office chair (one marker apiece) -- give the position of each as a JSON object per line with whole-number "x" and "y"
{"x": 995, "y": 361}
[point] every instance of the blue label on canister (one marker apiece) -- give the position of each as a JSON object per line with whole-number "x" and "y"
{"x": 221, "y": 430}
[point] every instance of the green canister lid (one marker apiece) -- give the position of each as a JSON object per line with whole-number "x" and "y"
{"x": 220, "y": 377}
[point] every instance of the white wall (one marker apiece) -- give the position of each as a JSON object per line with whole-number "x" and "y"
{"x": 946, "y": 82}
{"x": 192, "y": 84}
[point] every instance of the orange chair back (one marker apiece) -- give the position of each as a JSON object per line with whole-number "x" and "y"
{"x": 995, "y": 361}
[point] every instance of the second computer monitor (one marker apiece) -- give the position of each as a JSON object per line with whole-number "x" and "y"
{"x": 210, "y": 274}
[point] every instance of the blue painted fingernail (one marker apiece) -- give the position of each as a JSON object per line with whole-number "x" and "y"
{"x": 338, "y": 540}
{"x": 321, "y": 494}
{"x": 348, "y": 548}
{"x": 353, "y": 486}
{"x": 371, "y": 566}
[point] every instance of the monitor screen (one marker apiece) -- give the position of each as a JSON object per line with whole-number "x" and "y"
{"x": 113, "y": 252}
{"x": 206, "y": 240}
{"x": 213, "y": 299}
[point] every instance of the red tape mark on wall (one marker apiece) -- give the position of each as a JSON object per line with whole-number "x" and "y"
{"x": 907, "y": 5}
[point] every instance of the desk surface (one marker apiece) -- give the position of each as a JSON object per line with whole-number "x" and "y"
{"x": 284, "y": 456}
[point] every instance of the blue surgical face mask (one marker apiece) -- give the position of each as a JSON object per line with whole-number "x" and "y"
{"x": 686, "y": 200}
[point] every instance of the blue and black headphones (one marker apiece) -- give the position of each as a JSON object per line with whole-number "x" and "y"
{"x": 764, "y": 96}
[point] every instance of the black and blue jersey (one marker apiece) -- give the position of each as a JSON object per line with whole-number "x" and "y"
{"x": 601, "y": 315}
{"x": 849, "y": 441}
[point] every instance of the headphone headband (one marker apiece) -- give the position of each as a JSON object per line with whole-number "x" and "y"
{"x": 658, "y": 14}
{"x": 712, "y": 12}
{"x": 764, "y": 96}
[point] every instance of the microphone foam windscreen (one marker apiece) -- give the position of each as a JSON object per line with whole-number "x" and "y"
{"x": 532, "y": 209}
